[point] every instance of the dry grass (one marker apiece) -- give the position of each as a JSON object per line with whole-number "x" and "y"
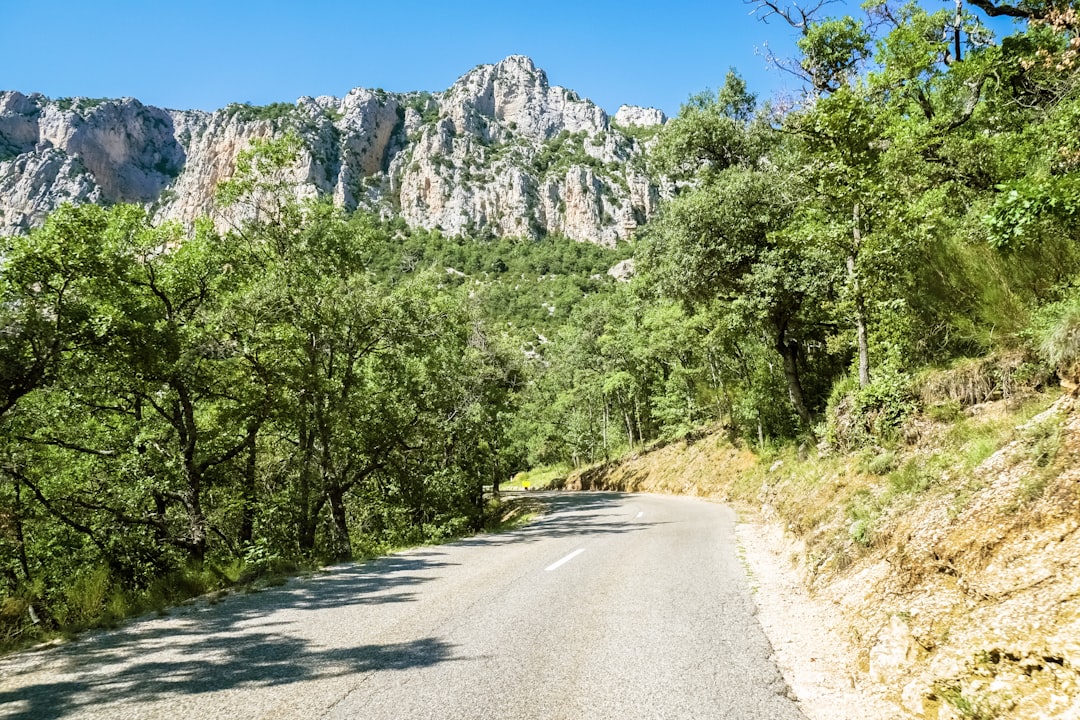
{"x": 970, "y": 382}
{"x": 509, "y": 513}
{"x": 845, "y": 505}
{"x": 702, "y": 466}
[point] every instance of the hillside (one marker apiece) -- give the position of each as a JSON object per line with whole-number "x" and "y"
{"x": 952, "y": 557}
{"x": 500, "y": 153}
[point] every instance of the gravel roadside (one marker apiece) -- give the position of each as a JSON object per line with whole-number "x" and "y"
{"x": 807, "y": 634}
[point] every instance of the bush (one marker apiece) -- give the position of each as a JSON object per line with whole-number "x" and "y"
{"x": 245, "y": 112}
{"x": 85, "y": 599}
{"x": 971, "y": 381}
{"x": 1056, "y": 331}
{"x": 858, "y": 416}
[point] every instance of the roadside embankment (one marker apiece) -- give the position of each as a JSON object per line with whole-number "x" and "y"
{"x": 936, "y": 578}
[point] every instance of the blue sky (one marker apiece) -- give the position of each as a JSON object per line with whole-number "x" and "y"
{"x": 208, "y": 53}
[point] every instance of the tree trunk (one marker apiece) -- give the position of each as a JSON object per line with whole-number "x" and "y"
{"x": 860, "y": 300}
{"x": 607, "y": 415}
{"x": 20, "y": 539}
{"x": 247, "y": 509}
{"x": 956, "y": 29}
{"x": 496, "y": 470}
{"x": 789, "y": 355}
{"x": 197, "y": 540}
{"x": 340, "y": 545}
{"x": 191, "y": 497}
{"x": 864, "y": 345}
{"x": 309, "y": 506}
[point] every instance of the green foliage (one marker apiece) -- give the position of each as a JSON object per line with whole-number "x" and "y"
{"x": 514, "y": 281}
{"x": 734, "y": 235}
{"x": 183, "y": 408}
{"x": 1030, "y": 208}
{"x": 424, "y": 103}
{"x": 562, "y": 152}
{"x": 870, "y": 414}
{"x": 713, "y": 132}
{"x": 832, "y": 50}
{"x": 1056, "y": 331}
{"x": 274, "y": 112}
{"x": 641, "y": 134}
{"x": 79, "y": 104}
{"x": 261, "y": 182}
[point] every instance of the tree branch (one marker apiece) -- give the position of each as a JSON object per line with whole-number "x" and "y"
{"x": 797, "y": 17}
{"x": 993, "y": 9}
{"x": 55, "y": 442}
{"x": 52, "y": 510}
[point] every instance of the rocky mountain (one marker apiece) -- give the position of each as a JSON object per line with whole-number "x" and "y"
{"x": 501, "y": 152}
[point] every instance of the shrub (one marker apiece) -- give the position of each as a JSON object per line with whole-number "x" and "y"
{"x": 971, "y": 381}
{"x": 857, "y": 416}
{"x": 246, "y": 112}
{"x": 79, "y": 104}
{"x": 1056, "y": 332}
{"x": 85, "y": 598}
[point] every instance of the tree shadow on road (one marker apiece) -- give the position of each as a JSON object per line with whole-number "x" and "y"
{"x": 248, "y": 640}
{"x": 241, "y": 642}
{"x": 258, "y": 660}
{"x": 577, "y": 514}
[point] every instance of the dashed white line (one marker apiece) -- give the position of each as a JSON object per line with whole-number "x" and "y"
{"x": 640, "y": 515}
{"x": 560, "y": 563}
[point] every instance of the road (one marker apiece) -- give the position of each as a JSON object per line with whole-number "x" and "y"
{"x": 610, "y": 606}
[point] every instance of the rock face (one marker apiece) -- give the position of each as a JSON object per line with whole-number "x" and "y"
{"x": 634, "y": 116}
{"x": 81, "y": 151}
{"x": 501, "y": 153}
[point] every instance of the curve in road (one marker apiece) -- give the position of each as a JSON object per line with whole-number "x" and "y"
{"x": 610, "y": 606}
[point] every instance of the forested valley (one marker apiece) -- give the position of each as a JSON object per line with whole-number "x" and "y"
{"x": 182, "y": 408}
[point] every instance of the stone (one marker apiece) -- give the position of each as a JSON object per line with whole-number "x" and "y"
{"x": 641, "y": 117}
{"x": 622, "y": 271}
{"x": 915, "y": 698}
{"x": 895, "y": 650}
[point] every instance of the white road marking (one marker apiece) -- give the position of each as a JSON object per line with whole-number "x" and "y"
{"x": 560, "y": 563}
{"x": 640, "y": 515}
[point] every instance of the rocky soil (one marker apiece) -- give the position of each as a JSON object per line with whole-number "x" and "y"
{"x": 810, "y": 638}
{"x": 980, "y": 587}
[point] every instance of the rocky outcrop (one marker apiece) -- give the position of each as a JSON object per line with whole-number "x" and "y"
{"x": 640, "y": 117}
{"x": 81, "y": 151}
{"x": 33, "y": 184}
{"x": 622, "y": 271}
{"x": 501, "y": 153}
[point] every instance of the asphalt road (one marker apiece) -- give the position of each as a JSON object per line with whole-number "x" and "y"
{"x": 611, "y": 606}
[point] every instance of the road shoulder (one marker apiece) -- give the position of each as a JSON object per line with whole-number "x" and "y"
{"x": 807, "y": 633}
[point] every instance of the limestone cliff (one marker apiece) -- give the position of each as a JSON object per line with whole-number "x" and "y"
{"x": 501, "y": 152}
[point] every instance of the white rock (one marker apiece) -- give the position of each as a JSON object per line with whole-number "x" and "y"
{"x": 913, "y": 698}
{"x": 635, "y": 116}
{"x": 894, "y": 651}
{"x": 622, "y": 271}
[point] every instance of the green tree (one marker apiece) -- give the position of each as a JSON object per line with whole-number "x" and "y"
{"x": 725, "y": 236}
